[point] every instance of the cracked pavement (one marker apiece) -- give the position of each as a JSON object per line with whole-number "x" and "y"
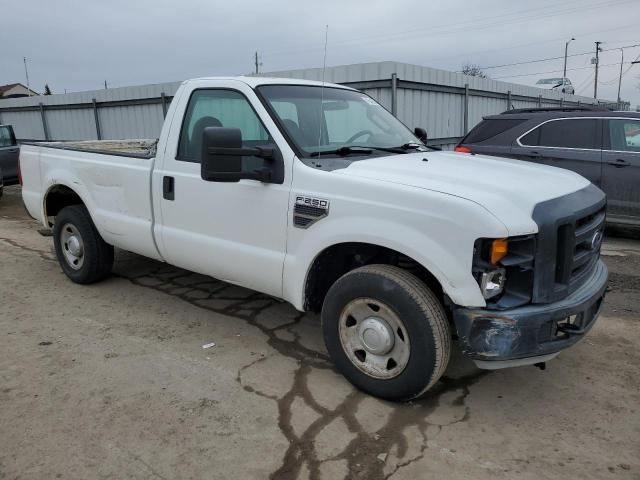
{"x": 112, "y": 381}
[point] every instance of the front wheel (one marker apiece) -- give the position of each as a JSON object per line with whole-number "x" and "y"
{"x": 386, "y": 332}
{"x": 82, "y": 253}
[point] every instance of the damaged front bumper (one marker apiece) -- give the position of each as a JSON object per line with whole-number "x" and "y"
{"x": 532, "y": 333}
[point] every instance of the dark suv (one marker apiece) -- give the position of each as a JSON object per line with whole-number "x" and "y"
{"x": 9, "y": 151}
{"x": 601, "y": 145}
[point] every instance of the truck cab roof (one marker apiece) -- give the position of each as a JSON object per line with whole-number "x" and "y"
{"x": 256, "y": 81}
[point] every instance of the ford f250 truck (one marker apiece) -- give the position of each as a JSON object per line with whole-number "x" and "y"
{"x": 315, "y": 194}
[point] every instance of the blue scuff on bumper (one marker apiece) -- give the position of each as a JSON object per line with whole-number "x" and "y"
{"x": 532, "y": 333}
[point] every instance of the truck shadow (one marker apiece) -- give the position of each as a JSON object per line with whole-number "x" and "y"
{"x": 332, "y": 429}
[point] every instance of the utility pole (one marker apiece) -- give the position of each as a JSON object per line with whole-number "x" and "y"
{"x": 595, "y": 82}
{"x": 564, "y": 72}
{"x": 620, "y": 77}
{"x": 256, "y": 62}
{"x": 26, "y": 72}
{"x": 105, "y": 85}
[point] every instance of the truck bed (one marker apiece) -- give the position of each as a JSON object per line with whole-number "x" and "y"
{"x": 143, "y": 148}
{"x": 111, "y": 177}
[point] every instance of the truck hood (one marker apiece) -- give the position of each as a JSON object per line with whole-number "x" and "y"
{"x": 507, "y": 188}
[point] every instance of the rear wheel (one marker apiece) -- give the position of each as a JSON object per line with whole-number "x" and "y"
{"x": 386, "y": 332}
{"x": 82, "y": 253}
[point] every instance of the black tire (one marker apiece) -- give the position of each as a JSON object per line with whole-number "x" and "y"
{"x": 421, "y": 313}
{"x": 97, "y": 256}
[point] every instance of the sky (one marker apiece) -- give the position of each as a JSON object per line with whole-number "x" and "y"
{"x": 77, "y": 45}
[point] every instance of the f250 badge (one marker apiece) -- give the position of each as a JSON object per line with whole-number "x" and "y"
{"x": 308, "y": 210}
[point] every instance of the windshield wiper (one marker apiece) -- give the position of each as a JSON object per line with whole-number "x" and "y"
{"x": 365, "y": 149}
{"x": 414, "y": 146}
{"x": 401, "y": 149}
{"x": 417, "y": 146}
{"x": 342, "y": 151}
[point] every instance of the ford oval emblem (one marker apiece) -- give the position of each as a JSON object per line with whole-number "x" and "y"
{"x": 596, "y": 240}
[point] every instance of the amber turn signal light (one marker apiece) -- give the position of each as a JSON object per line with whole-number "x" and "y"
{"x": 499, "y": 249}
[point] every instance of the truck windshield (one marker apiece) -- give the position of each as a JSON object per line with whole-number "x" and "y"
{"x": 331, "y": 121}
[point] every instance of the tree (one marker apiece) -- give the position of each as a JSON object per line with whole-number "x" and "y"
{"x": 47, "y": 90}
{"x": 473, "y": 70}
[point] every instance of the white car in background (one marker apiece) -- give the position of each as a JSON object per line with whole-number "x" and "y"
{"x": 559, "y": 84}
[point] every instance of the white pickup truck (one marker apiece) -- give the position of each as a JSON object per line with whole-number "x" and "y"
{"x": 315, "y": 194}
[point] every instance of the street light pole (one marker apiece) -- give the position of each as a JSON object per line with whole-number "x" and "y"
{"x": 564, "y": 72}
{"x": 620, "y": 77}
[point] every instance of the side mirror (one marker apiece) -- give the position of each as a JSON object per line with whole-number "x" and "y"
{"x": 421, "y": 133}
{"x": 221, "y": 157}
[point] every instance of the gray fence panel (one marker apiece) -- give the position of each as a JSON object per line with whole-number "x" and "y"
{"x": 440, "y": 114}
{"x": 27, "y": 124}
{"x": 75, "y": 124}
{"x": 426, "y": 97}
{"x": 137, "y": 121}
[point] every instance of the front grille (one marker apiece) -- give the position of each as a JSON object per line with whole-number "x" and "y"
{"x": 578, "y": 247}
{"x": 570, "y": 231}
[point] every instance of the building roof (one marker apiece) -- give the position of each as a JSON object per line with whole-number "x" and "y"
{"x": 6, "y": 88}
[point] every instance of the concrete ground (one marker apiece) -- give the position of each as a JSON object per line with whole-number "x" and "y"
{"x": 111, "y": 381}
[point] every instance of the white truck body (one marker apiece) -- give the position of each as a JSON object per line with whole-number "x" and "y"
{"x": 429, "y": 206}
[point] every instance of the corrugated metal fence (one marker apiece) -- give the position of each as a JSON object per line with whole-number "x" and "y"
{"x": 446, "y": 104}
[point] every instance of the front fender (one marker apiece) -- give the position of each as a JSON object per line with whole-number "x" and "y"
{"x": 445, "y": 255}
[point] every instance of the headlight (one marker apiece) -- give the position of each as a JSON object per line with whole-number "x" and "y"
{"x": 492, "y": 282}
{"x": 503, "y": 268}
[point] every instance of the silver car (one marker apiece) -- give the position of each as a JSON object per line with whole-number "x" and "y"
{"x": 558, "y": 84}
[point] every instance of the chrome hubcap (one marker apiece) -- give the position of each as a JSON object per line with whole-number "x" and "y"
{"x": 374, "y": 338}
{"x": 72, "y": 246}
{"x": 376, "y": 335}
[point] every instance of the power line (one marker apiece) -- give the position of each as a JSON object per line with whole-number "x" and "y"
{"x": 486, "y": 22}
{"x": 555, "y": 58}
{"x": 556, "y": 71}
{"x": 585, "y": 83}
{"x": 540, "y": 42}
{"x": 631, "y": 65}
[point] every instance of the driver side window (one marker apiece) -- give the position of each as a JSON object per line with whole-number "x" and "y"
{"x": 220, "y": 108}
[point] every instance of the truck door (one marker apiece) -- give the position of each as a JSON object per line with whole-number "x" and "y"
{"x": 621, "y": 168}
{"x": 8, "y": 155}
{"x": 232, "y": 231}
{"x": 571, "y": 143}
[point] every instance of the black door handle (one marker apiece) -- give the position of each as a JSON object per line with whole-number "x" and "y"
{"x": 534, "y": 155}
{"x": 13, "y": 150}
{"x": 619, "y": 163}
{"x": 168, "y": 191}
